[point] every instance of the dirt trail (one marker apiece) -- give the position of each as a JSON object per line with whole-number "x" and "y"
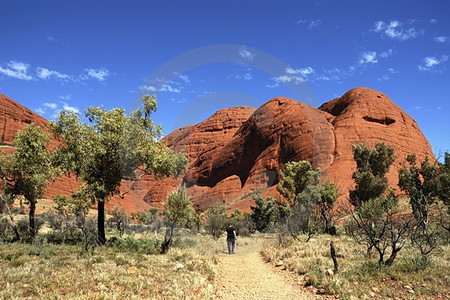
{"x": 244, "y": 275}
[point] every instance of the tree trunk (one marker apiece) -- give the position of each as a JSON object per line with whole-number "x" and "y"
{"x": 333, "y": 257}
{"x": 392, "y": 257}
{"x": 168, "y": 238}
{"x": 101, "y": 222}
{"x": 32, "y": 228}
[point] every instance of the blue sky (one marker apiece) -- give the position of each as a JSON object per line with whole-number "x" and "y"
{"x": 200, "y": 56}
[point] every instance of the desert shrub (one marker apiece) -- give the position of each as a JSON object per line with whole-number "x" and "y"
{"x": 23, "y": 226}
{"x": 244, "y": 225}
{"x": 56, "y": 220}
{"x": 376, "y": 213}
{"x": 179, "y": 213}
{"x": 267, "y": 213}
{"x": 216, "y": 220}
{"x": 119, "y": 219}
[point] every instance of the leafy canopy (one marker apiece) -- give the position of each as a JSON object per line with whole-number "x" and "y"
{"x": 370, "y": 174}
{"x": 294, "y": 179}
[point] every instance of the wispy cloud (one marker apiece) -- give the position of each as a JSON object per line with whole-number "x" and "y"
{"x": 100, "y": 74}
{"x": 392, "y": 71}
{"x": 386, "y": 53}
{"x": 51, "y": 110}
{"x": 310, "y": 24}
{"x": 368, "y": 57}
{"x": 441, "y": 39}
{"x": 246, "y": 75}
{"x": 384, "y": 77}
{"x": 246, "y": 54}
{"x": 176, "y": 85}
{"x": 16, "y": 69}
{"x": 396, "y": 30}
{"x": 291, "y": 75}
{"x": 433, "y": 21}
{"x": 44, "y": 73}
{"x": 431, "y": 63}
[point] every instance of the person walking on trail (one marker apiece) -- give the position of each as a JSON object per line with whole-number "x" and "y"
{"x": 231, "y": 239}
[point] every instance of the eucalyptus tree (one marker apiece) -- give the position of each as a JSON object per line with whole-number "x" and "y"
{"x": 109, "y": 145}
{"x": 26, "y": 171}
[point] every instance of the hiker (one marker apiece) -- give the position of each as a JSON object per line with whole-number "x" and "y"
{"x": 231, "y": 239}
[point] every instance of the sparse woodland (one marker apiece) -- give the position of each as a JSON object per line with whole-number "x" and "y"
{"x": 387, "y": 243}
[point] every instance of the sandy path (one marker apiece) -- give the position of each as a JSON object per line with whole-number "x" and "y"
{"x": 244, "y": 275}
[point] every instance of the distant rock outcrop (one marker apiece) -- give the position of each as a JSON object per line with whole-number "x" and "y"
{"x": 239, "y": 150}
{"x": 283, "y": 130}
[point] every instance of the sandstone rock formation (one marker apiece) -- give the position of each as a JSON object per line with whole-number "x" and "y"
{"x": 285, "y": 130}
{"x": 239, "y": 150}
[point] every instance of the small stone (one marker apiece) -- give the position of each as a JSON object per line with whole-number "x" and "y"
{"x": 178, "y": 266}
{"x": 408, "y": 287}
{"x": 372, "y": 294}
{"x": 132, "y": 269}
{"x": 279, "y": 263}
{"x": 375, "y": 290}
{"x": 424, "y": 284}
{"x": 329, "y": 272}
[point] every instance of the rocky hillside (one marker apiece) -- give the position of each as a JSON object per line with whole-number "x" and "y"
{"x": 239, "y": 150}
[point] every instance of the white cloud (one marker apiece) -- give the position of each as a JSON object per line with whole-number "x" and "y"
{"x": 51, "y": 105}
{"x": 40, "y": 111}
{"x": 386, "y": 53}
{"x": 185, "y": 78}
{"x": 430, "y": 63}
{"x": 246, "y": 54}
{"x": 368, "y": 57}
{"x": 310, "y": 24}
{"x": 99, "y": 74}
{"x": 65, "y": 97}
{"x": 70, "y": 108}
{"x": 441, "y": 39}
{"x": 295, "y": 76}
{"x": 165, "y": 87}
{"x": 168, "y": 88}
{"x": 44, "y": 73}
{"x": 392, "y": 71}
{"x": 51, "y": 110}
{"x": 272, "y": 86}
{"x": 313, "y": 24}
{"x": 18, "y": 70}
{"x": 303, "y": 71}
{"x": 395, "y": 30}
{"x": 148, "y": 88}
{"x": 246, "y": 76}
{"x": 433, "y": 21}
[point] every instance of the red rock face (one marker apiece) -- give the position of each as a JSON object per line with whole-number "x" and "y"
{"x": 14, "y": 117}
{"x": 285, "y": 130}
{"x": 240, "y": 150}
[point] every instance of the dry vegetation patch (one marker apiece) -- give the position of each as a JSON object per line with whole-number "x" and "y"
{"x": 360, "y": 276}
{"x": 62, "y": 272}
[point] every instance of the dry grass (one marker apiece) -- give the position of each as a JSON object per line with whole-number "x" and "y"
{"x": 62, "y": 272}
{"x": 360, "y": 276}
